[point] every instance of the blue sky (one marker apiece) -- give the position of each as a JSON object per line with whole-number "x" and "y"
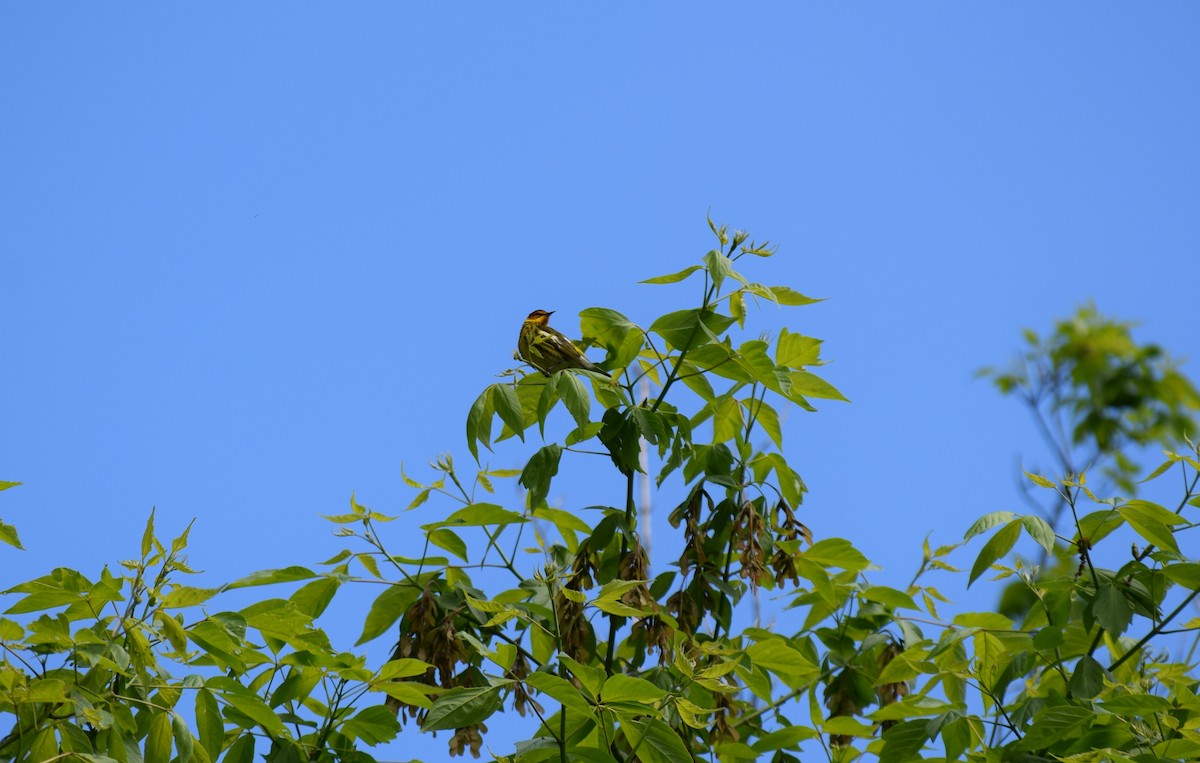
{"x": 256, "y": 255}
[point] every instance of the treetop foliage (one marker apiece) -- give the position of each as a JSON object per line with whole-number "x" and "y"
{"x": 557, "y": 619}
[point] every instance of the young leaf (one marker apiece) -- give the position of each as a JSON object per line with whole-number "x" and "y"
{"x": 996, "y": 547}
{"x": 673, "y": 277}
{"x": 8, "y": 534}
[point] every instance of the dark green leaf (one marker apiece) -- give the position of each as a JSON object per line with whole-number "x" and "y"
{"x": 1087, "y": 680}
{"x": 461, "y": 707}
{"x": 479, "y": 423}
{"x": 1111, "y": 610}
{"x": 903, "y": 742}
{"x": 539, "y": 471}
{"x": 654, "y": 741}
{"x": 241, "y": 751}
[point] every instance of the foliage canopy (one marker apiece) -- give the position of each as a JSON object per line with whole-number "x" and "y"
{"x": 554, "y": 614}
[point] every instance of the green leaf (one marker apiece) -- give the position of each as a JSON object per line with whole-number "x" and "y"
{"x": 209, "y": 723}
{"x": 737, "y": 307}
{"x": 797, "y": 350}
{"x": 312, "y": 598}
{"x": 1186, "y": 574}
{"x": 8, "y": 533}
{"x": 837, "y": 552}
{"x": 405, "y": 667}
{"x": 903, "y": 742}
{"x": 538, "y": 472}
{"x": 673, "y": 277}
{"x": 811, "y": 385}
{"x": 158, "y": 737}
{"x": 575, "y": 397}
{"x": 5, "y": 484}
{"x": 1087, "y": 680}
{"x": 449, "y": 541}
{"x": 1039, "y": 480}
{"x": 987, "y": 522}
{"x": 558, "y": 688}
{"x": 719, "y": 267}
{"x": 504, "y": 397}
{"x": 1137, "y": 705}
{"x": 654, "y": 741}
{"x": 241, "y": 751}
{"x": 479, "y": 423}
{"x": 1152, "y": 522}
{"x": 766, "y": 417}
{"x": 997, "y": 546}
{"x": 387, "y": 609}
{"x": 147, "y": 546}
{"x": 186, "y": 596}
{"x": 1040, "y": 530}
{"x": 1112, "y": 611}
{"x": 785, "y": 295}
{"x": 889, "y": 597}
{"x": 690, "y": 328}
{"x": 626, "y": 688}
{"x": 184, "y": 742}
{"x": 478, "y": 514}
{"x": 619, "y": 336}
{"x": 270, "y": 577}
{"x": 461, "y": 707}
{"x": 373, "y": 725}
{"x": 789, "y": 664}
{"x": 256, "y": 710}
{"x": 785, "y": 738}
{"x": 727, "y": 419}
{"x": 296, "y": 687}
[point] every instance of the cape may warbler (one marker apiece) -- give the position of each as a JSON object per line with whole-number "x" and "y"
{"x": 548, "y": 350}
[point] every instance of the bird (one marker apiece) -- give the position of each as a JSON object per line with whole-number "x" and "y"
{"x": 547, "y": 350}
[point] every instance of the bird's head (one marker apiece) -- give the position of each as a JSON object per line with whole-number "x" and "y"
{"x": 540, "y": 317}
